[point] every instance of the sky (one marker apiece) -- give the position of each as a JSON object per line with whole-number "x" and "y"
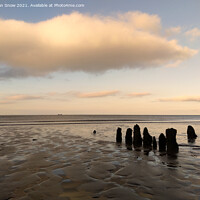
{"x": 101, "y": 57}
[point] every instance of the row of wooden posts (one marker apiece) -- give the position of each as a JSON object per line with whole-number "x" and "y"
{"x": 166, "y": 143}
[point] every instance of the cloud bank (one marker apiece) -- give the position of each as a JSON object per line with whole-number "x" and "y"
{"x": 20, "y": 97}
{"x": 139, "y": 94}
{"x": 181, "y": 99}
{"x": 97, "y": 94}
{"x": 10, "y": 99}
{"x": 90, "y": 43}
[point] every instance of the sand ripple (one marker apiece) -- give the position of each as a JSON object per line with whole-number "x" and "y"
{"x": 51, "y": 164}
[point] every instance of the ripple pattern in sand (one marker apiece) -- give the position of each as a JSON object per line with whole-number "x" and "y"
{"x": 49, "y": 163}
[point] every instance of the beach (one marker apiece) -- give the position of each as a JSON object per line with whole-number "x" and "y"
{"x": 99, "y": 100}
{"x": 67, "y": 161}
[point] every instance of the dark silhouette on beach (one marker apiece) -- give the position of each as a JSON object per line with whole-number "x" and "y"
{"x": 191, "y": 135}
{"x": 128, "y": 138}
{"x": 137, "y": 139}
{"x": 162, "y": 143}
{"x": 154, "y": 143}
{"x": 119, "y": 135}
{"x": 172, "y": 146}
{"x": 147, "y": 139}
{"x": 167, "y": 144}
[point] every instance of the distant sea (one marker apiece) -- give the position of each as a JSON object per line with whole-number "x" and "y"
{"x": 94, "y": 119}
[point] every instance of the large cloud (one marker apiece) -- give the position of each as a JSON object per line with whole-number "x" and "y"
{"x": 173, "y": 31}
{"x": 88, "y": 43}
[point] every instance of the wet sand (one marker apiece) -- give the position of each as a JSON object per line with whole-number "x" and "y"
{"x": 51, "y": 163}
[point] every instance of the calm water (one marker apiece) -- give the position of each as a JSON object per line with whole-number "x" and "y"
{"x": 105, "y": 125}
{"x": 96, "y": 119}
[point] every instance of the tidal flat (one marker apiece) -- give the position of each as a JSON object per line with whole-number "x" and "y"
{"x": 52, "y": 162}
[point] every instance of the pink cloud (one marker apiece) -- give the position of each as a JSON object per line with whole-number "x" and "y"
{"x": 180, "y": 99}
{"x": 97, "y": 94}
{"x": 19, "y": 97}
{"x": 139, "y": 94}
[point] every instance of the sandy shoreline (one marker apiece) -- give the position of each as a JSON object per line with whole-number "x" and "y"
{"x": 49, "y": 163}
